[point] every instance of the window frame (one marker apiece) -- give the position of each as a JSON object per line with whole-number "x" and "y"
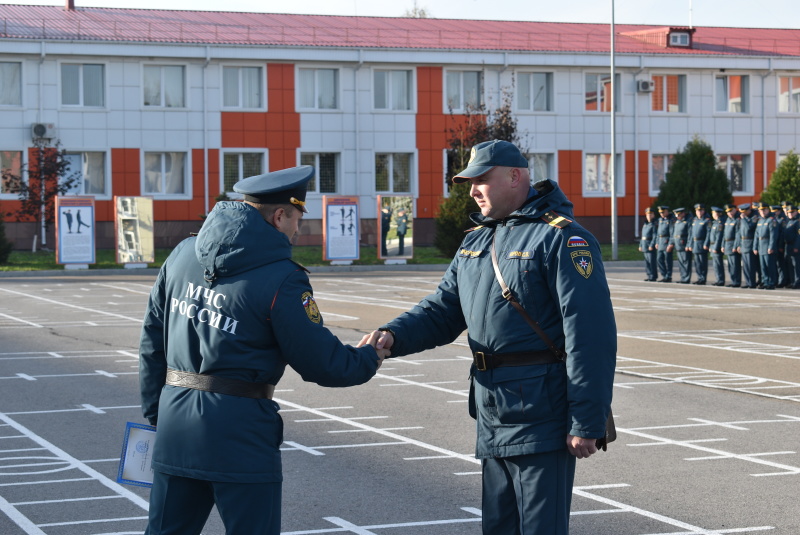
{"x": 619, "y": 175}
{"x": 82, "y": 86}
{"x": 748, "y": 177}
{"x": 411, "y": 172}
{"x": 107, "y": 193}
{"x": 337, "y": 89}
{"x": 228, "y": 150}
{"x": 550, "y": 82}
{"x": 162, "y": 106}
{"x": 411, "y": 86}
{"x": 316, "y": 180}
{"x": 682, "y": 93}
{"x": 462, "y": 108}
{"x": 617, "y": 92}
{"x": 262, "y": 78}
{"x": 744, "y": 100}
{"x": 20, "y": 88}
{"x": 652, "y": 192}
{"x": 22, "y": 172}
{"x": 187, "y": 174}
{"x": 792, "y": 92}
{"x": 551, "y": 164}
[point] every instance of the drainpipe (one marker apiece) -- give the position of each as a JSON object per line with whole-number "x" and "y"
{"x": 636, "y": 151}
{"x": 205, "y": 130}
{"x": 39, "y": 116}
{"x": 764, "y": 123}
{"x": 358, "y": 126}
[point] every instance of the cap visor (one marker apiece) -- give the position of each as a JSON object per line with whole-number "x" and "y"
{"x": 472, "y": 172}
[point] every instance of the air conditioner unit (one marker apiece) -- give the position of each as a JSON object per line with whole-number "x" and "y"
{"x": 43, "y": 130}
{"x": 645, "y": 86}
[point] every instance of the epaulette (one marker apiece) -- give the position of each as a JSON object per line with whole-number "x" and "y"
{"x": 474, "y": 228}
{"x": 301, "y": 266}
{"x": 555, "y": 220}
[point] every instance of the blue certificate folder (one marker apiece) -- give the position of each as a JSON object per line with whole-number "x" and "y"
{"x": 137, "y": 455}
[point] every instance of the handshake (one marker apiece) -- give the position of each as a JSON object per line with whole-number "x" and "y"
{"x": 382, "y": 341}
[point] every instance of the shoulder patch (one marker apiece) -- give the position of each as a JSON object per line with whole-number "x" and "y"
{"x": 555, "y": 220}
{"x": 311, "y": 308}
{"x": 577, "y": 241}
{"x": 582, "y": 260}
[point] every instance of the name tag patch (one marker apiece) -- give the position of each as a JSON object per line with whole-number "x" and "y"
{"x": 517, "y": 255}
{"x": 467, "y": 253}
{"x": 582, "y": 260}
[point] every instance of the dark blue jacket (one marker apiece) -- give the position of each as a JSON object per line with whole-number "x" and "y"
{"x": 231, "y": 303}
{"x": 558, "y": 277}
{"x": 649, "y": 235}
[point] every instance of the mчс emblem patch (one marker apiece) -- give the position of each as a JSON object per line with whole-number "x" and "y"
{"x": 582, "y": 260}
{"x": 310, "y": 306}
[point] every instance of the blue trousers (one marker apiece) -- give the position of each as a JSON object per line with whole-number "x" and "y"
{"x": 750, "y": 269}
{"x": 769, "y": 269}
{"x": 701, "y": 264}
{"x": 719, "y": 266}
{"x": 650, "y": 268}
{"x": 685, "y": 263}
{"x": 664, "y": 261}
{"x": 735, "y": 268}
{"x": 528, "y": 494}
{"x": 180, "y": 506}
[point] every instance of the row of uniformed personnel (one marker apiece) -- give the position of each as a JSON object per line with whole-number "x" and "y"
{"x": 761, "y": 243}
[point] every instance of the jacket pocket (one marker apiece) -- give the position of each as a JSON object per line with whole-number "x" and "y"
{"x": 521, "y": 394}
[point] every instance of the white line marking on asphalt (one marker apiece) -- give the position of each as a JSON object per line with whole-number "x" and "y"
{"x": 61, "y": 303}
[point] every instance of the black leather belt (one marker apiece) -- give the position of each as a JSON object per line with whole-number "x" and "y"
{"x": 485, "y": 361}
{"x": 220, "y": 385}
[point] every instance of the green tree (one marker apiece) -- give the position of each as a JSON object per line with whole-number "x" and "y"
{"x": 5, "y": 245}
{"x": 475, "y": 126}
{"x": 784, "y": 185}
{"x": 48, "y": 176}
{"x": 417, "y": 12}
{"x": 694, "y": 177}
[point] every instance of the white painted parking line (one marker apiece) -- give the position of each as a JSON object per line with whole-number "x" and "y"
{"x": 12, "y": 318}
{"x": 722, "y": 340}
{"x": 70, "y": 305}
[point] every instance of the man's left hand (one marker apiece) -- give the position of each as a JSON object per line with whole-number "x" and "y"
{"x": 581, "y": 447}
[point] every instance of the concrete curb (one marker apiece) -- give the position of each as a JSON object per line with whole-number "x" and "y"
{"x": 313, "y": 269}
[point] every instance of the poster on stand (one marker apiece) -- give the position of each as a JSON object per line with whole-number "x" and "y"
{"x": 395, "y": 228}
{"x": 341, "y": 228}
{"x": 134, "y": 230}
{"x": 75, "y": 230}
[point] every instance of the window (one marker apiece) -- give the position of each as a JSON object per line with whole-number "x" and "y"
{"x": 789, "y": 94}
{"x": 464, "y": 90}
{"x": 242, "y": 87}
{"x": 733, "y": 94}
{"x": 11, "y": 163}
{"x": 541, "y": 167}
{"x": 659, "y": 167}
{"x": 596, "y": 179}
{"x": 597, "y": 93}
{"x": 393, "y": 90}
{"x": 535, "y": 91}
{"x": 393, "y": 173}
{"x": 164, "y": 86}
{"x": 83, "y": 85}
{"x": 89, "y": 171}
{"x": 239, "y": 165}
{"x": 165, "y": 173}
{"x": 10, "y": 83}
{"x": 325, "y": 171}
{"x": 319, "y": 89}
{"x": 736, "y": 167}
{"x": 678, "y": 39}
{"x": 669, "y": 93}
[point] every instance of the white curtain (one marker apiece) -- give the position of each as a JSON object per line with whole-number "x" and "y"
{"x": 10, "y": 83}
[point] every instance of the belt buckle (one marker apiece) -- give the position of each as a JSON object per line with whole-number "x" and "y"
{"x": 480, "y": 361}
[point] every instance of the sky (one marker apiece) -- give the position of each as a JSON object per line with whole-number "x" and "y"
{"x": 733, "y": 13}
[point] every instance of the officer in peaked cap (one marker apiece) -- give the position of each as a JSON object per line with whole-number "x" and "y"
{"x": 647, "y": 245}
{"x": 745, "y": 241}
{"x": 287, "y": 186}
{"x": 776, "y": 211}
{"x": 663, "y": 246}
{"x": 228, "y": 312}
{"x": 699, "y": 237}
{"x": 731, "y": 232}
{"x": 715, "y": 240}
{"x": 791, "y": 239}
{"x": 680, "y": 242}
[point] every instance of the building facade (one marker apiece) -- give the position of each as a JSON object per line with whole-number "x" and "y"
{"x": 179, "y": 105}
